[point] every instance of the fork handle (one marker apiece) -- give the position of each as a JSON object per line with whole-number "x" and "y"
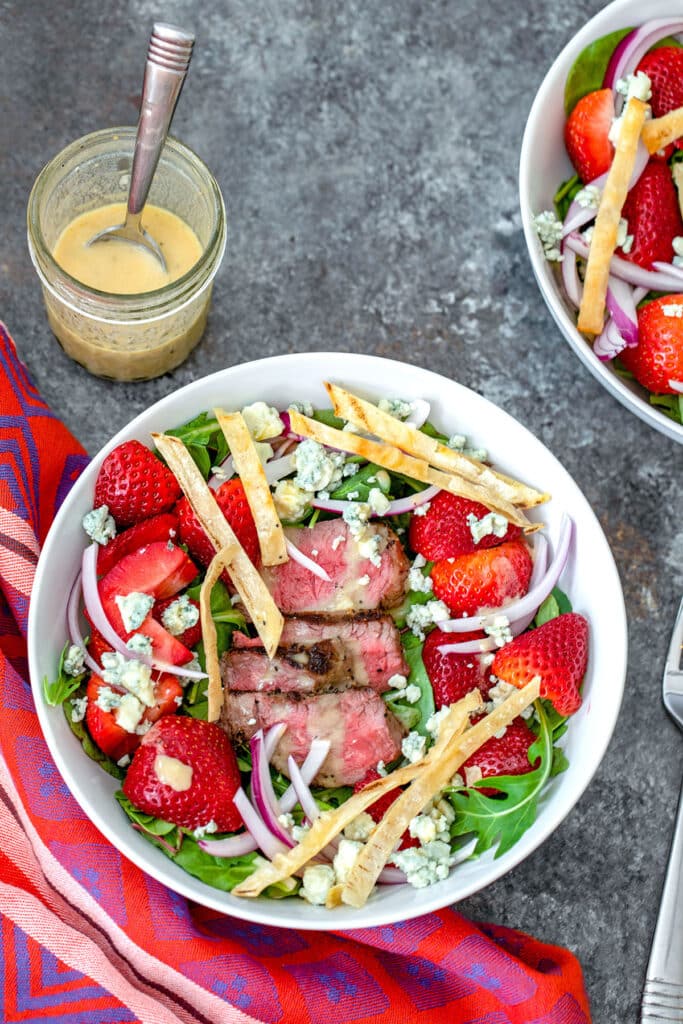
{"x": 168, "y": 58}
{"x": 663, "y": 991}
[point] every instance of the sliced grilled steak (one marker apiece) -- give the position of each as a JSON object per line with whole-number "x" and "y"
{"x": 356, "y": 722}
{"x": 370, "y": 639}
{"x": 356, "y": 584}
{"x": 299, "y": 668}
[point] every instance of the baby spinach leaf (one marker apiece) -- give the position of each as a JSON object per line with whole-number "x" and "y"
{"x": 587, "y": 73}
{"x": 80, "y": 731}
{"x": 327, "y": 417}
{"x": 417, "y": 676}
{"x": 671, "y": 406}
{"x": 566, "y": 194}
{"x": 360, "y": 484}
{"x": 64, "y": 685}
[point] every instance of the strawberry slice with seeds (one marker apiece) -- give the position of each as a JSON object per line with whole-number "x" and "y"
{"x": 483, "y": 579}
{"x": 159, "y": 528}
{"x": 232, "y": 501}
{"x": 657, "y": 359}
{"x": 453, "y": 675}
{"x": 653, "y": 216}
{"x": 444, "y": 531}
{"x": 110, "y": 737}
{"x": 135, "y": 484}
{"x": 382, "y": 805}
{"x": 586, "y": 134}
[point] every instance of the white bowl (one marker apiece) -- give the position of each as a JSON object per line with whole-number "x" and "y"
{"x": 591, "y": 580}
{"x": 544, "y": 164}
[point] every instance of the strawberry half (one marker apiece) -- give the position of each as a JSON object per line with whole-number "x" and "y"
{"x": 109, "y": 736}
{"x": 557, "y": 652}
{"x": 185, "y": 771}
{"x": 233, "y": 504}
{"x": 503, "y": 755}
{"x": 191, "y": 636}
{"x": 653, "y": 216}
{"x": 484, "y": 579}
{"x": 156, "y": 570}
{"x": 453, "y": 675}
{"x": 134, "y": 484}
{"x": 162, "y": 527}
{"x": 443, "y": 531}
{"x": 657, "y": 359}
{"x": 664, "y": 68}
{"x": 381, "y": 806}
{"x": 586, "y": 134}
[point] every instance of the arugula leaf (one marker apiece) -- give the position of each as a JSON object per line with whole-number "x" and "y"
{"x": 506, "y": 817}
{"x": 64, "y": 685}
{"x": 671, "y": 406}
{"x": 204, "y": 440}
{"x": 412, "y": 652}
{"x": 587, "y": 73}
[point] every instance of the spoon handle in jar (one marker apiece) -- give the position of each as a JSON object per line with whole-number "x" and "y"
{"x": 168, "y": 58}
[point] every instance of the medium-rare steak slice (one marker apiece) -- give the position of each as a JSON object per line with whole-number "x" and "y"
{"x": 299, "y": 668}
{"x": 356, "y": 583}
{"x": 360, "y": 728}
{"x": 371, "y": 640}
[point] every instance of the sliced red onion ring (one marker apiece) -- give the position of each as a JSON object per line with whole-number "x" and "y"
{"x": 395, "y": 508}
{"x": 634, "y": 46}
{"x": 272, "y": 738}
{"x": 578, "y": 214}
{"x": 313, "y": 762}
{"x": 262, "y": 791}
{"x": 303, "y": 793}
{"x": 570, "y": 275}
{"x": 75, "y": 635}
{"x": 100, "y": 621}
{"x": 308, "y": 563}
{"x": 419, "y": 414}
{"x": 276, "y": 469}
{"x": 537, "y": 574}
{"x": 669, "y": 268}
{"x": 269, "y": 844}
{"x": 231, "y": 846}
{"x": 620, "y": 303}
{"x": 483, "y": 646}
{"x": 677, "y": 385}
{"x": 523, "y": 606}
{"x": 391, "y": 876}
{"x": 658, "y": 281}
{"x": 225, "y": 471}
{"x": 609, "y": 343}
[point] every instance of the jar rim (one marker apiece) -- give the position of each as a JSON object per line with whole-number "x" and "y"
{"x": 127, "y": 301}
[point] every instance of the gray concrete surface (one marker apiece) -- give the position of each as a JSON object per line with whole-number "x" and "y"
{"x": 368, "y": 157}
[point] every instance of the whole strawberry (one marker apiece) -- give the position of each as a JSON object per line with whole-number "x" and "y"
{"x": 657, "y": 359}
{"x": 134, "y": 484}
{"x": 653, "y": 216}
{"x": 234, "y": 506}
{"x": 185, "y": 771}
{"x": 444, "y": 530}
{"x": 586, "y": 134}
{"x": 502, "y": 755}
{"x": 557, "y": 652}
{"x": 664, "y": 68}
{"x": 483, "y": 579}
{"x": 453, "y": 675}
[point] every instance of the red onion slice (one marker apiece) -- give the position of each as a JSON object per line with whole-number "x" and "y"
{"x": 633, "y": 47}
{"x": 226, "y": 471}
{"x": 578, "y": 215}
{"x": 669, "y": 268}
{"x": 483, "y": 646}
{"x": 303, "y": 793}
{"x": 231, "y": 846}
{"x": 677, "y": 385}
{"x": 391, "y": 876}
{"x": 269, "y": 844}
{"x": 395, "y": 508}
{"x": 609, "y": 343}
{"x": 570, "y": 275}
{"x": 276, "y": 469}
{"x": 308, "y": 563}
{"x": 623, "y": 309}
{"x": 658, "y": 281}
{"x": 313, "y": 762}
{"x": 419, "y": 414}
{"x": 93, "y": 604}
{"x": 272, "y": 738}
{"x": 262, "y": 791}
{"x": 75, "y": 635}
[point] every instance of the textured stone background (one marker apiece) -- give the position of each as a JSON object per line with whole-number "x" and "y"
{"x": 368, "y": 157}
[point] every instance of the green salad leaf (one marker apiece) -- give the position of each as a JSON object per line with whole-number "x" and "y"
{"x": 412, "y": 652}
{"x": 671, "y": 406}
{"x": 204, "y": 440}
{"x": 57, "y": 690}
{"x": 587, "y": 73}
{"x": 566, "y": 194}
{"x": 506, "y": 816}
{"x": 226, "y": 619}
{"x": 81, "y": 733}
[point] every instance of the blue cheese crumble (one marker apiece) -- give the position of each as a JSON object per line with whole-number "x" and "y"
{"x": 305, "y": 408}
{"x": 291, "y": 501}
{"x": 378, "y": 501}
{"x": 134, "y": 609}
{"x": 422, "y": 615}
{"x": 317, "y": 881}
{"x": 316, "y": 468}
{"x": 677, "y": 245}
{"x": 413, "y": 747}
{"x": 417, "y": 581}
{"x": 140, "y": 643}
{"x": 425, "y": 865}
{"x": 499, "y": 630}
{"x": 180, "y": 615}
{"x": 99, "y": 525}
{"x": 490, "y": 524}
{"x": 396, "y": 407}
{"x": 263, "y": 421}
{"x": 549, "y": 230}
{"x": 132, "y": 675}
{"x": 74, "y": 661}
{"x": 673, "y": 309}
{"x": 78, "y": 708}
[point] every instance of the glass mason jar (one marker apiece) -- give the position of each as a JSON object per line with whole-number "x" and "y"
{"x": 125, "y": 337}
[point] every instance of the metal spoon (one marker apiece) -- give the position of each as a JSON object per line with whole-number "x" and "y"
{"x": 168, "y": 58}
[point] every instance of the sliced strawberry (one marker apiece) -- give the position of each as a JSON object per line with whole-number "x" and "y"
{"x": 557, "y": 652}
{"x": 134, "y": 484}
{"x": 203, "y": 775}
{"x": 109, "y": 736}
{"x": 234, "y": 506}
{"x": 381, "y": 806}
{"x": 453, "y": 675}
{"x": 586, "y": 134}
{"x": 159, "y": 528}
{"x": 444, "y": 531}
{"x": 503, "y": 755}
{"x": 664, "y": 68}
{"x": 190, "y": 637}
{"x": 653, "y": 216}
{"x": 657, "y": 359}
{"x": 483, "y": 579}
{"x": 97, "y": 645}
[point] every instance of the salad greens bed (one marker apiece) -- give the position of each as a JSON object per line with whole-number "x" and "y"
{"x": 499, "y": 811}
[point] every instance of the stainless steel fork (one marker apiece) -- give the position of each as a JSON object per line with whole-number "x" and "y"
{"x": 663, "y": 992}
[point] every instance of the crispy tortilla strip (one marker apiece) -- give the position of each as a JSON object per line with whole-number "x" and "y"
{"x": 677, "y": 175}
{"x": 331, "y": 823}
{"x": 257, "y": 489}
{"x": 214, "y": 692}
{"x": 374, "y": 855}
{"x": 392, "y": 458}
{"x": 367, "y": 416}
{"x": 604, "y": 240}
{"x": 659, "y": 132}
{"x": 257, "y": 599}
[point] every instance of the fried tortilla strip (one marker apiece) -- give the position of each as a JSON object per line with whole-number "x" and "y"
{"x": 257, "y": 489}
{"x": 331, "y": 823}
{"x": 214, "y": 692}
{"x": 392, "y": 458}
{"x": 604, "y": 240}
{"x": 677, "y": 175}
{"x": 367, "y": 416}
{"x": 658, "y": 133}
{"x": 374, "y": 855}
{"x": 255, "y": 595}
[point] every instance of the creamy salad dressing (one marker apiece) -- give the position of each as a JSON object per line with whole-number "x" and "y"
{"x": 173, "y": 772}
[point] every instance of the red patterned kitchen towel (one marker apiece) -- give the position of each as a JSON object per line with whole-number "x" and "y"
{"x": 88, "y": 938}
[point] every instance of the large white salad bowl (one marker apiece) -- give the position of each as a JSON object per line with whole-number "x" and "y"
{"x": 544, "y": 165}
{"x": 590, "y": 579}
